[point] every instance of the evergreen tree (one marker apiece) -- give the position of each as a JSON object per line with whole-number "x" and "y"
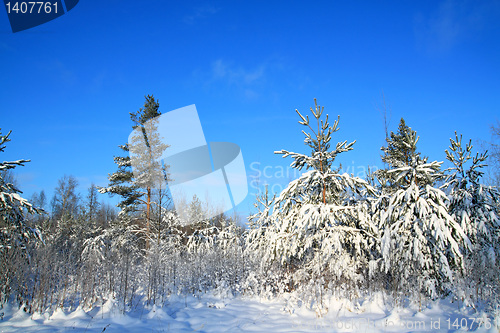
{"x": 261, "y": 225}
{"x": 136, "y": 185}
{"x": 475, "y": 207}
{"x": 319, "y": 228}
{"x": 266, "y": 273}
{"x": 195, "y": 210}
{"x": 420, "y": 239}
{"x": 15, "y": 234}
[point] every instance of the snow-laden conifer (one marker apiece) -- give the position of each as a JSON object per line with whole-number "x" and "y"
{"x": 318, "y": 228}
{"x": 15, "y": 234}
{"x": 420, "y": 240}
{"x": 475, "y": 207}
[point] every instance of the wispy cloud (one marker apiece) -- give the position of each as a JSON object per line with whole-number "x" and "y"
{"x": 451, "y": 22}
{"x": 222, "y": 70}
{"x": 246, "y": 80}
{"x": 200, "y": 13}
{"x": 250, "y": 81}
{"x": 60, "y": 71}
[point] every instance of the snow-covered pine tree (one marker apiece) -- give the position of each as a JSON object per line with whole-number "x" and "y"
{"x": 229, "y": 247}
{"x": 266, "y": 276}
{"x": 319, "y": 231}
{"x": 136, "y": 186}
{"x": 15, "y": 234}
{"x": 261, "y": 228}
{"x": 475, "y": 207}
{"x": 420, "y": 239}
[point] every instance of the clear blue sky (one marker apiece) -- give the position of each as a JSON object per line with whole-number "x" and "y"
{"x": 67, "y": 86}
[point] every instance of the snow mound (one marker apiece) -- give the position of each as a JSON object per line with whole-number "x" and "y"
{"x": 158, "y": 313}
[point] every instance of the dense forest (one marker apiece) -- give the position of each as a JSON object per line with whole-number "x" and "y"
{"x": 412, "y": 230}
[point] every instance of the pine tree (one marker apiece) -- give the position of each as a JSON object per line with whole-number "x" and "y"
{"x": 195, "y": 210}
{"x": 266, "y": 274}
{"x": 136, "y": 185}
{"x": 475, "y": 207}
{"x": 420, "y": 239}
{"x": 318, "y": 227}
{"x": 261, "y": 226}
{"x": 15, "y": 234}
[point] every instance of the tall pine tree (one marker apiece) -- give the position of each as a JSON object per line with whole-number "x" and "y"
{"x": 139, "y": 171}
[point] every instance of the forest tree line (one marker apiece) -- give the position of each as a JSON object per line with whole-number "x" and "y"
{"x": 411, "y": 230}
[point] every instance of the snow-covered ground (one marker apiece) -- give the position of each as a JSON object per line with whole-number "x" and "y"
{"x": 216, "y": 314}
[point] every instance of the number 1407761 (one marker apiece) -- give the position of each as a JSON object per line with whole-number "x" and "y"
{"x": 31, "y": 7}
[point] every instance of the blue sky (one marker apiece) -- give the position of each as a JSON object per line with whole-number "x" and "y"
{"x": 68, "y": 86}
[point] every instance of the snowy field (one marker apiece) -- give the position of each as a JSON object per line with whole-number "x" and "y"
{"x": 216, "y": 314}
